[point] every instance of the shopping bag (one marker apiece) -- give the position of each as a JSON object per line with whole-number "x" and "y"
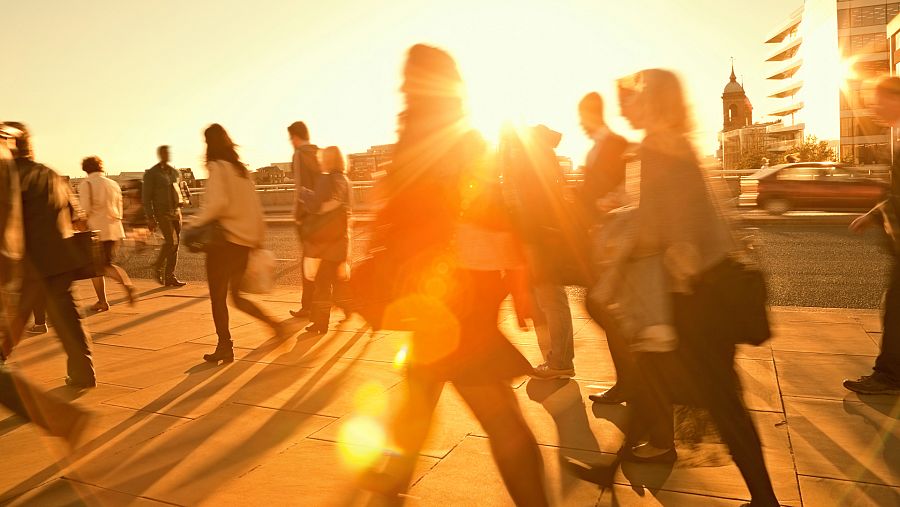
{"x": 259, "y": 278}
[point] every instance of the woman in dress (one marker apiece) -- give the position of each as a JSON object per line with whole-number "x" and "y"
{"x": 444, "y": 223}
{"x": 231, "y": 201}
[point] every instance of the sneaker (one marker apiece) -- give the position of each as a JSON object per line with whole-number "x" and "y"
{"x": 871, "y": 384}
{"x": 38, "y": 329}
{"x": 81, "y": 384}
{"x": 546, "y": 372}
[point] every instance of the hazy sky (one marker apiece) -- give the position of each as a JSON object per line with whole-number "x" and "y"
{"x": 116, "y": 78}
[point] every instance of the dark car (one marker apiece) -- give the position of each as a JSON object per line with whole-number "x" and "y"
{"x": 811, "y": 186}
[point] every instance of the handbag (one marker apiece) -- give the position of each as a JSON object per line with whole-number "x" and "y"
{"x": 203, "y": 238}
{"x": 740, "y": 293}
{"x": 87, "y": 251}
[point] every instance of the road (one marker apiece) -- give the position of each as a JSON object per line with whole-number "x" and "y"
{"x": 807, "y": 264}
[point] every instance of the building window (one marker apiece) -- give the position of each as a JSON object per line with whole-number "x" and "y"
{"x": 891, "y": 11}
{"x": 846, "y": 127}
{"x": 873, "y": 153}
{"x": 843, "y": 18}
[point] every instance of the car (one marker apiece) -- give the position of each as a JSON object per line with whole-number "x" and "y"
{"x": 811, "y": 186}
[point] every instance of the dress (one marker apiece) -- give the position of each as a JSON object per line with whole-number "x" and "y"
{"x": 454, "y": 301}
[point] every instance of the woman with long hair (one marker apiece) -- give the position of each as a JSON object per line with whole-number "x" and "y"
{"x": 444, "y": 224}
{"x": 101, "y": 200}
{"x": 328, "y": 241}
{"x": 231, "y": 201}
{"x": 680, "y": 221}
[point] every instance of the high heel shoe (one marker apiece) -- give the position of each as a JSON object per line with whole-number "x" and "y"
{"x": 225, "y": 356}
{"x": 99, "y": 307}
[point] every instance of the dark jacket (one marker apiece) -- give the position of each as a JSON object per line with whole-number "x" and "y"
{"x": 161, "y": 191}
{"x": 605, "y": 173}
{"x": 325, "y": 228}
{"x": 47, "y": 219}
{"x": 306, "y": 171}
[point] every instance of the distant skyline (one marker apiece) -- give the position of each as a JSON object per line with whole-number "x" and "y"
{"x": 116, "y": 79}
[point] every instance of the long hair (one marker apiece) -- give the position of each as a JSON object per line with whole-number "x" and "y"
{"x": 219, "y": 146}
{"x": 663, "y": 108}
{"x": 332, "y": 160}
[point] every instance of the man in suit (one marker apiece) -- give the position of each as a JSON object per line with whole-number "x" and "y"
{"x": 305, "y": 165}
{"x": 604, "y": 177}
{"x": 885, "y": 377}
{"x": 162, "y": 204}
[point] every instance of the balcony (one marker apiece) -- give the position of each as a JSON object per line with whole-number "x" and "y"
{"x": 789, "y": 110}
{"x": 787, "y": 52}
{"x": 787, "y": 91}
{"x": 784, "y": 30}
{"x": 788, "y": 71}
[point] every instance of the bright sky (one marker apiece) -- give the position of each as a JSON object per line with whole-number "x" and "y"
{"x": 116, "y": 79}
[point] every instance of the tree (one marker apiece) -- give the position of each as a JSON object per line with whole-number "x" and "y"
{"x": 813, "y": 150}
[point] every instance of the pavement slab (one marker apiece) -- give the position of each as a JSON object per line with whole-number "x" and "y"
{"x": 818, "y": 491}
{"x": 846, "y": 440}
{"x": 186, "y": 464}
{"x": 298, "y": 416}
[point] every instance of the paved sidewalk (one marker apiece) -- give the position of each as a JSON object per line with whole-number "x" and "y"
{"x": 290, "y": 421}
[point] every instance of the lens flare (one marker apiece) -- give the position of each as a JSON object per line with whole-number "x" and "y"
{"x": 401, "y": 356}
{"x": 361, "y": 441}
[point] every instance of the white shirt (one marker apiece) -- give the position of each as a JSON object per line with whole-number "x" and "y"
{"x": 101, "y": 200}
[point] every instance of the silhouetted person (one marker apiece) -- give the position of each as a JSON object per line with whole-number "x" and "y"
{"x": 679, "y": 220}
{"x": 885, "y": 377}
{"x": 163, "y": 201}
{"x": 101, "y": 200}
{"x": 445, "y": 241}
{"x": 49, "y": 249}
{"x": 604, "y": 178}
{"x": 534, "y": 190}
{"x": 231, "y": 200}
{"x": 305, "y": 166}
{"x": 327, "y": 242}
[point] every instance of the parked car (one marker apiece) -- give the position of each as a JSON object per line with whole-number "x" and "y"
{"x": 811, "y": 186}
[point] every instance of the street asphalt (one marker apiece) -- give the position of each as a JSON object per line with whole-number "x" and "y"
{"x": 811, "y": 260}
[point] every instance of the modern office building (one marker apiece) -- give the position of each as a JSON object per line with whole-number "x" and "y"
{"x": 864, "y": 48}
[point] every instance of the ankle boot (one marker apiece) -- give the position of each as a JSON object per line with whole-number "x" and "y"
{"x": 224, "y": 352}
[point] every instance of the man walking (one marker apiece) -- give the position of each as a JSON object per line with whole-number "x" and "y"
{"x": 162, "y": 204}
{"x": 49, "y": 251}
{"x": 305, "y": 165}
{"x": 604, "y": 176}
{"x": 885, "y": 377}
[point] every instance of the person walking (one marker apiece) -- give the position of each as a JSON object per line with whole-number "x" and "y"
{"x": 305, "y": 166}
{"x": 231, "y": 202}
{"x": 50, "y": 251}
{"x": 18, "y": 394}
{"x": 162, "y": 197}
{"x": 443, "y": 223}
{"x": 101, "y": 200}
{"x": 327, "y": 242}
{"x": 533, "y": 182}
{"x": 604, "y": 179}
{"x": 885, "y": 377}
{"x": 680, "y": 221}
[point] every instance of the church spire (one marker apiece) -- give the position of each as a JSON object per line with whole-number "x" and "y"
{"x": 733, "y": 77}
